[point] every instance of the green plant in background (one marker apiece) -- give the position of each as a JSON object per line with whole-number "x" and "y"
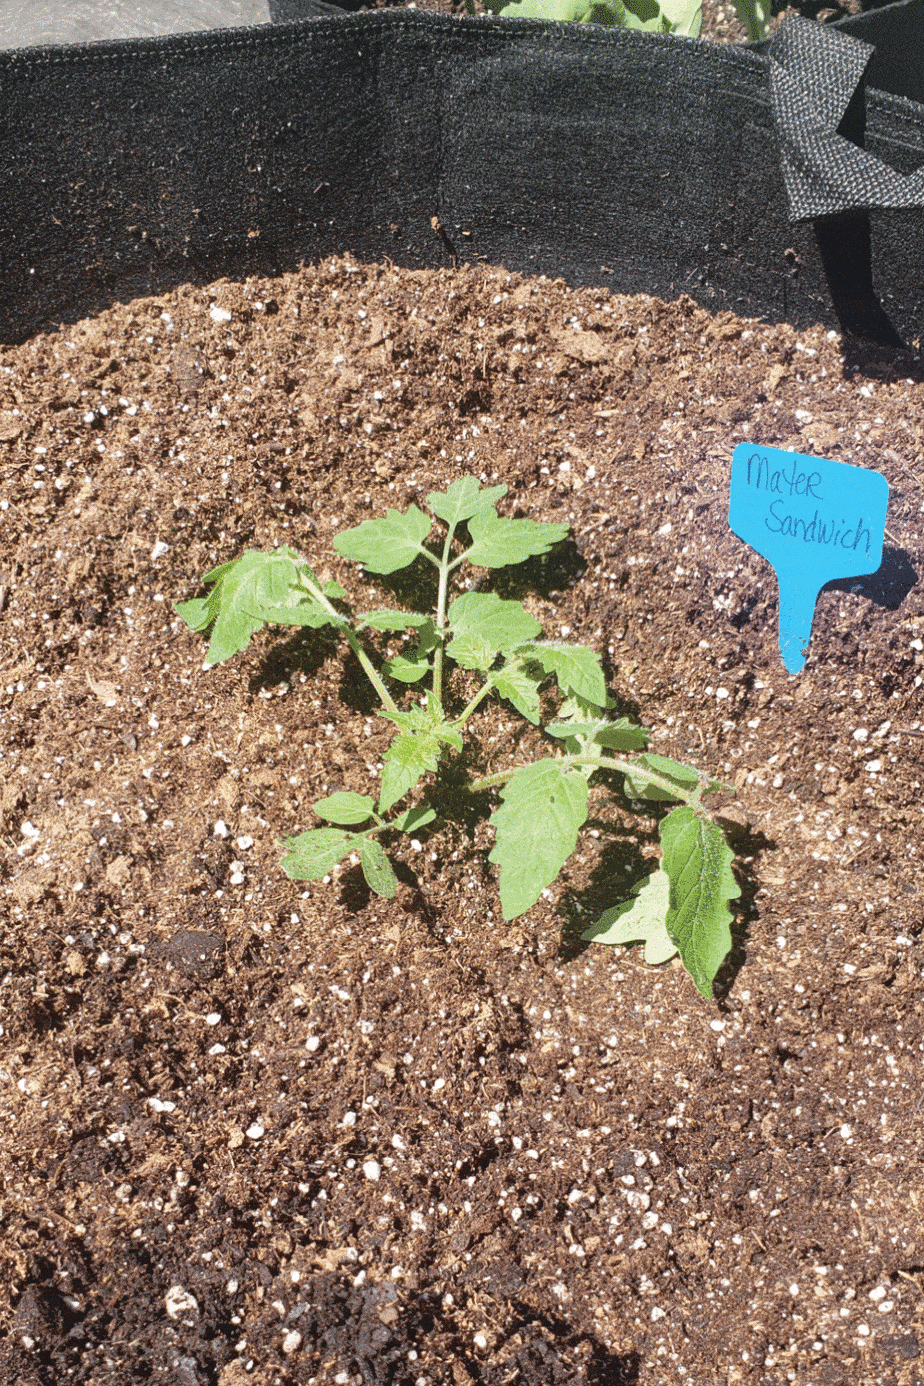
{"x": 655, "y": 16}
{"x": 755, "y": 16}
{"x": 683, "y": 907}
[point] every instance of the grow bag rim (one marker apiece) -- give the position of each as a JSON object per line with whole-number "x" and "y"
{"x": 244, "y": 36}
{"x": 750, "y": 57}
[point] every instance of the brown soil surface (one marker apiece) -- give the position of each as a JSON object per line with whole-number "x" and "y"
{"x": 585, "y": 1172}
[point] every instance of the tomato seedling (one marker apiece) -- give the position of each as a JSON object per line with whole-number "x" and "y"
{"x": 683, "y": 907}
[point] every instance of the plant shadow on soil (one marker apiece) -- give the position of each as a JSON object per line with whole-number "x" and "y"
{"x": 358, "y": 1329}
{"x": 868, "y": 360}
{"x": 623, "y": 863}
{"x": 302, "y": 652}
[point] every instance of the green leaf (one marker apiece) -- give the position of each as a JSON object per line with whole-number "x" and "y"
{"x": 574, "y": 709}
{"x": 304, "y": 613}
{"x": 333, "y": 590}
{"x": 496, "y": 624}
{"x": 655, "y": 16}
{"x": 377, "y": 868}
{"x": 683, "y": 776}
{"x": 514, "y": 682}
{"x": 195, "y": 613}
{"x": 463, "y": 499}
{"x": 577, "y": 668}
{"x": 499, "y": 542}
{"x": 618, "y": 735}
{"x": 407, "y": 669}
{"x": 755, "y": 16}
{"x": 698, "y": 861}
{"x": 409, "y": 756}
{"x": 393, "y": 620}
{"x": 586, "y": 736}
{"x": 580, "y": 730}
{"x": 544, "y": 806}
{"x": 422, "y": 717}
{"x": 639, "y": 919}
{"x": 679, "y": 16}
{"x": 621, "y": 735}
{"x": 385, "y": 545}
{"x": 560, "y": 11}
{"x": 344, "y": 807}
{"x": 411, "y": 667}
{"x": 684, "y": 16}
{"x": 472, "y": 651}
{"x": 314, "y": 854}
{"x": 412, "y": 819}
{"x": 239, "y": 588}
{"x": 449, "y": 737}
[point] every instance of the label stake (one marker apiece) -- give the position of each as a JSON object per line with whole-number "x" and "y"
{"x": 814, "y": 520}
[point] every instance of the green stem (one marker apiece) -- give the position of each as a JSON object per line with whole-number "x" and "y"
{"x": 479, "y": 697}
{"x": 640, "y": 772}
{"x": 493, "y": 781}
{"x": 441, "y": 615}
{"x": 600, "y": 763}
{"x": 456, "y": 561}
{"x": 371, "y": 673}
{"x": 350, "y": 636}
{"x": 381, "y": 825}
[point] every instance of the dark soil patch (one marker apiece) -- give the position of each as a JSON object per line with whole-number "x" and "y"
{"x": 586, "y": 1173}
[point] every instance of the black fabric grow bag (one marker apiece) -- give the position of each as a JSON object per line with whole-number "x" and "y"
{"x": 646, "y": 163}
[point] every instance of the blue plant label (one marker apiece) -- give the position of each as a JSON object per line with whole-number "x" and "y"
{"x": 815, "y": 520}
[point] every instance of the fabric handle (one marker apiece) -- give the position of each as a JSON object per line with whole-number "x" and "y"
{"x": 816, "y": 73}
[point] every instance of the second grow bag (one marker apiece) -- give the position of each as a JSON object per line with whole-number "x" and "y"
{"x": 778, "y": 180}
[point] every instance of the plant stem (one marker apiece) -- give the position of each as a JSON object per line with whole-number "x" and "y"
{"x": 640, "y": 772}
{"x": 479, "y": 697}
{"x": 352, "y": 640}
{"x": 459, "y": 559}
{"x": 441, "y": 615}
{"x": 371, "y": 673}
{"x": 690, "y": 797}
